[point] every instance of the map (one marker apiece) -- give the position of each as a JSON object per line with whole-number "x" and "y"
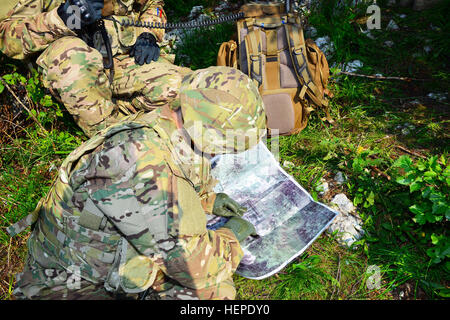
{"x": 285, "y": 216}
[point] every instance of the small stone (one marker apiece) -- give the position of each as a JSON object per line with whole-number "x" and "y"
{"x": 326, "y": 45}
{"x": 340, "y": 178}
{"x": 323, "y": 188}
{"x": 402, "y": 16}
{"x": 389, "y": 43}
{"x": 405, "y": 131}
{"x": 223, "y": 6}
{"x": 434, "y": 28}
{"x": 392, "y": 25}
{"x": 441, "y": 97}
{"x": 311, "y": 32}
{"x": 288, "y": 164}
{"x": 344, "y": 204}
{"x": 353, "y": 66}
{"x": 347, "y": 224}
{"x": 195, "y": 11}
{"x": 427, "y": 49}
{"x": 368, "y": 34}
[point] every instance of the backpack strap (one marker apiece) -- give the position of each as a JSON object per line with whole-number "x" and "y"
{"x": 254, "y": 55}
{"x": 26, "y": 222}
{"x": 272, "y": 66}
{"x": 297, "y": 50}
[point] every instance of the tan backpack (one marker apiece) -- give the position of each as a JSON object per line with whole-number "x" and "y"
{"x": 291, "y": 73}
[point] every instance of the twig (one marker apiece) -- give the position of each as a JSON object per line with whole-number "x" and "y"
{"x": 414, "y": 153}
{"x": 381, "y": 139}
{"x": 381, "y": 173}
{"x": 9, "y": 251}
{"x": 380, "y": 77}
{"x": 23, "y": 105}
{"x": 338, "y": 276}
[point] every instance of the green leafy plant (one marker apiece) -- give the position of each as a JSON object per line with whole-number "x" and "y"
{"x": 429, "y": 186}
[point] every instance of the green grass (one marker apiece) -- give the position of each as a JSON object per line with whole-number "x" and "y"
{"x": 368, "y": 136}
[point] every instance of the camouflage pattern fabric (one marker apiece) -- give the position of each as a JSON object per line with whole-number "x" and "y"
{"x": 32, "y": 25}
{"x": 222, "y": 110}
{"x": 74, "y": 71}
{"x": 126, "y": 216}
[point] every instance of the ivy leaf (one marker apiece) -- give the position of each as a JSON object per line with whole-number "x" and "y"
{"x": 440, "y": 208}
{"x": 404, "y": 162}
{"x": 416, "y": 185}
{"x": 419, "y": 211}
{"x": 434, "y": 239}
{"x": 426, "y": 192}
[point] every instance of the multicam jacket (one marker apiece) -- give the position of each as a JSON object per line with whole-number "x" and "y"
{"x": 130, "y": 203}
{"x": 33, "y": 24}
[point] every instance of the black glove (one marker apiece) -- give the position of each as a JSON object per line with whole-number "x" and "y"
{"x": 224, "y": 206}
{"x": 145, "y": 50}
{"x": 89, "y": 11}
{"x": 241, "y": 228}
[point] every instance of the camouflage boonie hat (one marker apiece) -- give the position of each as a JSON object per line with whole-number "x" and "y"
{"x": 222, "y": 109}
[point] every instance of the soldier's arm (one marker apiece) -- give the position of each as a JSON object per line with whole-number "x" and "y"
{"x": 158, "y": 213}
{"x": 27, "y": 29}
{"x": 153, "y": 12}
{"x": 208, "y": 196}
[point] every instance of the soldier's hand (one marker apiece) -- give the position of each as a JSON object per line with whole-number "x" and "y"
{"x": 224, "y": 206}
{"x": 145, "y": 49}
{"x": 241, "y": 228}
{"x": 77, "y": 14}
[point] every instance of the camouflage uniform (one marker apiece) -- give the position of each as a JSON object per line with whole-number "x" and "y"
{"x": 75, "y": 71}
{"x": 127, "y": 211}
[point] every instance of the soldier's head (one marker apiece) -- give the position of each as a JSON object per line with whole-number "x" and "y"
{"x": 222, "y": 110}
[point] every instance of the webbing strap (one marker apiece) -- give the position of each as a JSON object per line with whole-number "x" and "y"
{"x": 254, "y": 52}
{"x": 26, "y": 222}
{"x": 272, "y": 66}
{"x": 297, "y": 51}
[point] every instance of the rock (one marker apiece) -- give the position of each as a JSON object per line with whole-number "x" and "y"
{"x": 340, "y": 178}
{"x": 434, "y": 28}
{"x": 195, "y": 12}
{"x": 441, "y": 97}
{"x": 427, "y": 49}
{"x": 389, "y": 43}
{"x": 326, "y": 45}
{"x": 405, "y": 131}
{"x": 353, "y": 66}
{"x": 378, "y": 74}
{"x": 310, "y": 32}
{"x": 406, "y": 128}
{"x": 323, "y": 188}
{"x": 392, "y": 25}
{"x": 402, "y": 16}
{"x": 347, "y": 224}
{"x": 288, "y": 164}
{"x": 224, "y": 5}
{"x": 368, "y": 34}
{"x": 345, "y": 206}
